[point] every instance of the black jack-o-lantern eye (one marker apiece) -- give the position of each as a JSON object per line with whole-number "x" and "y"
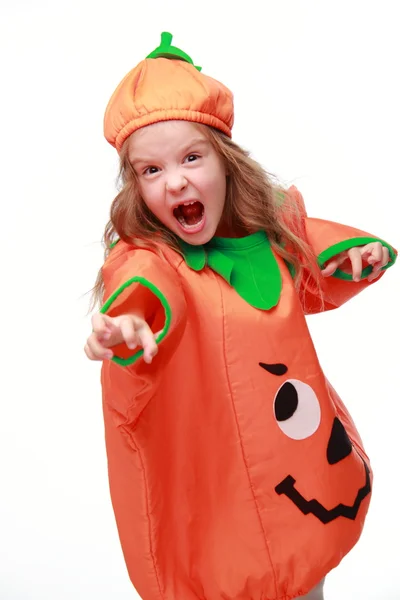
{"x": 297, "y": 409}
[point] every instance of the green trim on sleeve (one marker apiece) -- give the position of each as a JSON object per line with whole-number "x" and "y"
{"x": 332, "y": 251}
{"x": 166, "y": 306}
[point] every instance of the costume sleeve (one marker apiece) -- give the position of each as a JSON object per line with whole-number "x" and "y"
{"x": 327, "y": 239}
{"x": 142, "y": 281}
{"x": 139, "y": 280}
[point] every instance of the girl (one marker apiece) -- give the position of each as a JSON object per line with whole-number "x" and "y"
{"x": 235, "y": 470}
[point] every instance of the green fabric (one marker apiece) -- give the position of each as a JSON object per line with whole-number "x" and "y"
{"x": 165, "y": 50}
{"x": 336, "y": 249}
{"x": 195, "y": 256}
{"x": 167, "y": 309}
{"x": 247, "y": 264}
{"x": 250, "y": 267}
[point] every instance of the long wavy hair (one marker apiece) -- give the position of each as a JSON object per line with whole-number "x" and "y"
{"x": 254, "y": 201}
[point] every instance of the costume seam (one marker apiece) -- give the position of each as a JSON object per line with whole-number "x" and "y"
{"x": 242, "y": 444}
{"x": 148, "y": 516}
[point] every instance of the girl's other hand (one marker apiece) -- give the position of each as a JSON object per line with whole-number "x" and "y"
{"x": 373, "y": 254}
{"x": 110, "y": 331}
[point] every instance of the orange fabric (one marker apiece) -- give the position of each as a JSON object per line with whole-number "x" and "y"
{"x": 161, "y": 89}
{"x": 335, "y": 291}
{"x": 198, "y": 458}
{"x": 320, "y": 235}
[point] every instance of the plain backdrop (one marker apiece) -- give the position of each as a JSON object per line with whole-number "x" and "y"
{"x": 317, "y": 103}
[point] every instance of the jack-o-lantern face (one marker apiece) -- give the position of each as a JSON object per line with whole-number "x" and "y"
{"x": 297, "y": 412}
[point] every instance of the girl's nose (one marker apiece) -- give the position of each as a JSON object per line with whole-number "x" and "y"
{"x": 176, "y": 182}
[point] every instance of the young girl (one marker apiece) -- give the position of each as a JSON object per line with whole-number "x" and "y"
{"x": 235, "y": 470}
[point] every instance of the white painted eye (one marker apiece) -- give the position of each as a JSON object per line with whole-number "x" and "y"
{"x": 297, "y": 409}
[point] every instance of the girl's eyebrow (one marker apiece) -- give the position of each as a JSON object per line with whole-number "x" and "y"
{"x": 134, "y": 161}
{"x": 196, "y": 142}
{"x": 193, "y": 142}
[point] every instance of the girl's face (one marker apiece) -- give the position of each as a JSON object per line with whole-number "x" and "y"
{"x": 181, "y": 177}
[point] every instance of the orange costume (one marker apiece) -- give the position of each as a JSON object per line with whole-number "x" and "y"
{"x": 235, "y": 469}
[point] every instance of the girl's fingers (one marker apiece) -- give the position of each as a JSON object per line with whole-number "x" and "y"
{"x": 135, "y": 331}
{"x": 146, "y": 340}
{"x": 128, "y": 331}
{"x": 385, "y": 256}
{"x": 355, "y": 257}
{"x": 372, "y": 252}
{"x": 89, "y": 353}
{"x": 97, "y": 356}
{"x": 97, "y": 349}
{"x": 380, "y": 259}
{"x": 330, "y": 268}
{"x": 377, "y": 267}
{"x": 334, "y": 264}
{"x": 378, "y": 253}
{"x": 374, "y": 275}
{"x": 101, "y": 325}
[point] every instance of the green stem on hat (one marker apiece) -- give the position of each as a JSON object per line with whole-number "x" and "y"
{"x": 165, "y": 50}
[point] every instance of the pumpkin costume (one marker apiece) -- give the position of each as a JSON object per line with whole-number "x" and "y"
{"x": 235, "y": 470}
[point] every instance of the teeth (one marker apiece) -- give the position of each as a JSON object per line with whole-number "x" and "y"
{"x": 189, "y": 203}
{"x": 185, "y": 225}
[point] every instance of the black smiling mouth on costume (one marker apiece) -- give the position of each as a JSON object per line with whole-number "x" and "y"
{"x": 189, "y": 214}
{"x": 339, "y": 447}
{"x": 314, "y": 507}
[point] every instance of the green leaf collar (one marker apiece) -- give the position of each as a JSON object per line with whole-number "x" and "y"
{"x": 247, "y": 264}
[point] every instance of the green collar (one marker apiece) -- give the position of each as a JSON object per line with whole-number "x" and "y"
{"x": 247, "y": 264}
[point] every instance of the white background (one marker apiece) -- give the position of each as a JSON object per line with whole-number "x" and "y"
{"x": 317, "y": 102}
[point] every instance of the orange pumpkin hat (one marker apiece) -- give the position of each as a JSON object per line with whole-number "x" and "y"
{"x": 161, "y": 89}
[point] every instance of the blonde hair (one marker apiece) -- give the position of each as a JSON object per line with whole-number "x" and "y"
{"x": 253, "y": 203}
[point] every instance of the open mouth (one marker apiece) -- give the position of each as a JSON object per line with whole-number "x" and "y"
{"x": 190, "y": 215}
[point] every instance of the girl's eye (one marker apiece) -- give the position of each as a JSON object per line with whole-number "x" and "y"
{"x": 150, "y": 171}
{"x": 192, "y": 157}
